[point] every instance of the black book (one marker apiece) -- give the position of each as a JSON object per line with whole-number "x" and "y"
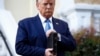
{"x": 52, "y": 42}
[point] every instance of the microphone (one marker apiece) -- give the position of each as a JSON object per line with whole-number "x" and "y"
{"x": 52, "y": 42}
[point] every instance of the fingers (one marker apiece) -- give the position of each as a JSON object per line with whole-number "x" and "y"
{"x": 49, "y": 31}
{"x": 48, "y": 53}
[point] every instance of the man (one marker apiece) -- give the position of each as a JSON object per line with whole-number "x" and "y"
{"x": 32, "y": 37}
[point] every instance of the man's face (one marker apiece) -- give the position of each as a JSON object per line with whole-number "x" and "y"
{"x": 46, "y": 7}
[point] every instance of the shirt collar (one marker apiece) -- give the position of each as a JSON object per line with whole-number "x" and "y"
{"x": 43, "y": 18}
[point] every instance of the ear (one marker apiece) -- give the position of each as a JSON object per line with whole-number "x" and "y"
{"x": 37, "y": 5}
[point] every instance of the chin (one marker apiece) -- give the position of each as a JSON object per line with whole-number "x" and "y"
{"x": 48, "y": 16}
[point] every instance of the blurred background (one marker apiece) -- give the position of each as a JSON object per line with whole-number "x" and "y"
{"x": 82, "y": 16}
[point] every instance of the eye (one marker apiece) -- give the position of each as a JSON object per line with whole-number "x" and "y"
{"x": 45, "y": 4}
{"x": 51, "y": 4}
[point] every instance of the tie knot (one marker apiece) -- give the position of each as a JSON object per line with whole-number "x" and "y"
{"x": 47, "y": 26}
{"x": 47, "y": 20}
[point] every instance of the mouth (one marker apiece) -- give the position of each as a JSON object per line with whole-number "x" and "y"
{"x": 48, "y": 12}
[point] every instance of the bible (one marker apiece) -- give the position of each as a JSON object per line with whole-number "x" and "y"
{"x": 52, "y": 42}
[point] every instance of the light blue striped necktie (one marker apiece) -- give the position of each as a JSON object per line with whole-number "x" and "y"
{"x": 47, "y": 26}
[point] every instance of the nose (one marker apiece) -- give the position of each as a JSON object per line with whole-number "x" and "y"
{"x": 48, "y": 6}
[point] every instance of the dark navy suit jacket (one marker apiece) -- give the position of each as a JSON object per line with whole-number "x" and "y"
{"x": 32, "y": 41}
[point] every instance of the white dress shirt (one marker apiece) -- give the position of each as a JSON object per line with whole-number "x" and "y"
{"x": 44, "y": 24}
{"x": 43, "y": 21}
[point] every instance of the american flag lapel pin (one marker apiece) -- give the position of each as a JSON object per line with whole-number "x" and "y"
{"x": 57, "y": 23}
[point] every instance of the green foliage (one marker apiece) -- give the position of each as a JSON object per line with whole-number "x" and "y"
{"x": 88, "y": 47}
{"x": 87, "y": 44}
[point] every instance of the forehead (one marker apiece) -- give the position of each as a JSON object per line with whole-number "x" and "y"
{"x": 46, "y": 1}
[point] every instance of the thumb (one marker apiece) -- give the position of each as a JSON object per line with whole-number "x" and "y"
{"x": 50, "y": 49}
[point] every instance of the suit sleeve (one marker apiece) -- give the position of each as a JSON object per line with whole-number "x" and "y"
{"x": 22, "y": 45}
{"x": 67, "y": 42}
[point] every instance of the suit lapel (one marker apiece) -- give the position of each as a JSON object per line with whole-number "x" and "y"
{"x": 39, "y": 26}
{"x": 41, "y": 39}
{"x": 55, "y": 24}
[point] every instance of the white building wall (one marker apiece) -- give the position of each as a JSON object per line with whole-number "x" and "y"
{"x": 23, "y": 8}
{"x": 8, "y": 26}
{"x": 19, "y": 8}
{"x": 84, "y": 19}
{"x": 2, "y": 4}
